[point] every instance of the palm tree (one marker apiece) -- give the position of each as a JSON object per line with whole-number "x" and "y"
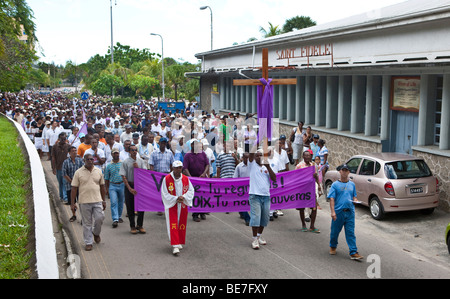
{"x": 298, "y": 22}
{"x": 119, "y": 71}
{"x": 272, "y": 30}
{"x": 175, "y": 77}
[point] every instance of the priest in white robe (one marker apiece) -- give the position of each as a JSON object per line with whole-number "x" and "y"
{"x": 177, "y": 194}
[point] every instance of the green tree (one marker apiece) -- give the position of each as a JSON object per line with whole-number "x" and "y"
{"x": 16, "y": 56}
{"x": 38, "y": 78}
{"x": 126, "y": 56}
{"x": 192, "y": 89}
{"x": 72, "y": 72}
{"x": 298, "y": 22}
{"x": 143, "y": 85}
{"x": 93, "y": 68}
{"x": 106, "y": 83}
{"x": 271, "y": 31}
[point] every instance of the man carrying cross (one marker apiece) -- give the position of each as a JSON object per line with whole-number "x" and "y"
{"x": 177, "y": 193}
{"x": 260, "y": 171}
{"x": 264, "y": 98}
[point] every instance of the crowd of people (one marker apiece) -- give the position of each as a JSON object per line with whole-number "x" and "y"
{"x": 108, "y": 141}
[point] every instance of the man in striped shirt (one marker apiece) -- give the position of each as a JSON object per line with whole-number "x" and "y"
{"x": 115, "y": 187}
{"x": 226, "y": 161}
{"x": 69, "y": 166}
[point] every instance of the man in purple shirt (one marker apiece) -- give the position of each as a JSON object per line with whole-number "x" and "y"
{"x": 196, "y": 164}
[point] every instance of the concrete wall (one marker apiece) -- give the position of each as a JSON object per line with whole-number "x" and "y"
{"x": 440, "y": 166}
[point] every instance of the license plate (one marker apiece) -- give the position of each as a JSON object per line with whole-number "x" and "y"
{"x": 416, "y": 190}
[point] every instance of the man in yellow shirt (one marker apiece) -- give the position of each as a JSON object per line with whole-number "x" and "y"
{"x": 90, "y": 184}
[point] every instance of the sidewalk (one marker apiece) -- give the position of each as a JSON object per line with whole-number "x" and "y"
{"x": 92, "y": 264}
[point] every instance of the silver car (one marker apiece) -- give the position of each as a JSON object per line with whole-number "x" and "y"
{"x": 391, "y": 182}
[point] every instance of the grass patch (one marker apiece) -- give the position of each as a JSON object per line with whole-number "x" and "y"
{"x": 14, "y": 189}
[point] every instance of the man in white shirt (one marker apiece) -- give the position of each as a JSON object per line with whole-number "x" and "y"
{"x": 280, "y": 154}
{"x": 277, "y": 166}
{"x": 79, "y": 123}
{"x": 164, "y": 131}
{"x": 145, "y": 149}
{"x": 53, "y": 134}
{"x": 97, "y": 154}
{"x": 125, "y": 153}
{"x": 260, "y": 174}
{"x": 242, "y": 171}
{"x": 127, "y": 135}
{"x": 155, "y": 127}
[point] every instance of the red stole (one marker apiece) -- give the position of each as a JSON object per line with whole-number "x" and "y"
{"x": 177, "y": 228}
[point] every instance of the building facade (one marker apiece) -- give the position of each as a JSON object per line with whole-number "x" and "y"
{"x": 375, "y": 82}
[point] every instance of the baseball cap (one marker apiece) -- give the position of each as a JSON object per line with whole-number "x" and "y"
{"x": 343, "y": 166}
{"x": 177, "y": 163}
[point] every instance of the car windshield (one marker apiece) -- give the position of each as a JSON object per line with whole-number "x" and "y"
{"x": 407, "y": 169}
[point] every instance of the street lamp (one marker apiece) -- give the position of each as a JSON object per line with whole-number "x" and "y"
{"x": 112, "y": 42}
{"x": 162, "y": 54}
{"x": 203, "y": 8}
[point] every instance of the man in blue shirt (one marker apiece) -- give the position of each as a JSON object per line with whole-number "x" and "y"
{"x": 342, "y": 197}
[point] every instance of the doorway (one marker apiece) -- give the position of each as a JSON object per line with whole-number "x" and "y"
{"x": 405, "y": 128}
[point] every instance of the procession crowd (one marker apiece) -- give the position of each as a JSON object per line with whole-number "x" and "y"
{"x": 95, "y": 144}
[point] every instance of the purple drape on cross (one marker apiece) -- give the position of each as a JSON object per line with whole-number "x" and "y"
{"x": 265, "y": 109}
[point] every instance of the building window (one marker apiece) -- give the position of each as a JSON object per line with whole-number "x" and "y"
{"x": 437, "y": 123}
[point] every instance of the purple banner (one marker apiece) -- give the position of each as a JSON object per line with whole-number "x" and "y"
{"x": 293, "y": 189}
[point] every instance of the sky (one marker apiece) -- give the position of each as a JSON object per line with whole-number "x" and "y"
{"x": 76, "y": 30}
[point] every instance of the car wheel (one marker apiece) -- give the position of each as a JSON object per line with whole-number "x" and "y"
{"x": 376, "y": 208}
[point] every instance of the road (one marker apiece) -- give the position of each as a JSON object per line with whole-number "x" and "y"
{"x": 408, "y": 245}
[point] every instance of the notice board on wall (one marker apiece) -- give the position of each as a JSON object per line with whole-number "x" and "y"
{"x": 405, "y": 93}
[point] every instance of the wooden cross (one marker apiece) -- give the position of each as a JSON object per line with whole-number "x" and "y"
{"x": 265, "y": 75}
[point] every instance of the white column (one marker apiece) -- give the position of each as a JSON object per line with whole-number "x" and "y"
{"x": 358, "y": 98}
{"x": 344, "y": 101}
{"x": 385, "y": 108}
{"x": 427, "y": 109}
{"x": 320, "y": 101}
{"x": 332, "y": 102}
{"x": 248, "y": 99}
{"x": 372, "y": 105}
{"x": 291, "y": 106}
{"x": 276, "y": 100}
{"x": 242, "y": 99}
{"x": 300, "y": 99}
{"x": 222, "y": 92}
{"x": 282, "y": 101}
{"x": 310, "y": 96}
{"x": 235, "y": 99}
{"x": 444, "y": 143}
